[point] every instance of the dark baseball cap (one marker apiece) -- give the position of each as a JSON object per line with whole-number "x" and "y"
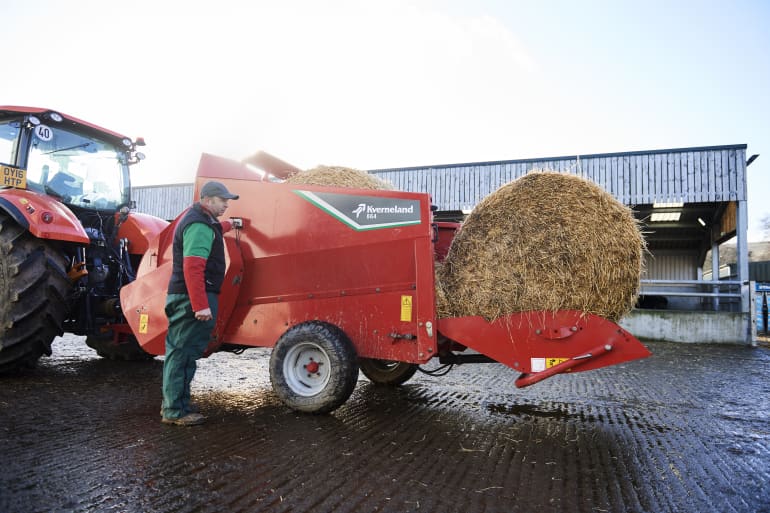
{"x": 216, "y": 189}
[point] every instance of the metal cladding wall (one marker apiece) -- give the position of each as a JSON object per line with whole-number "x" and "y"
{"x": 671, "y": 265}
{"x": 164, "y": 201}
{"x": 689, "y": 175}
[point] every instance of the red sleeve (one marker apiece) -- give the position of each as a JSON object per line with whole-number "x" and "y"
{"x": 226, "y": 226}
{"x": 194, "y": 268}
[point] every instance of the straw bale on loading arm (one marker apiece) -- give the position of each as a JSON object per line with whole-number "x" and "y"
{"x": 547, "y": 241}
{"x": 339, "y": 177}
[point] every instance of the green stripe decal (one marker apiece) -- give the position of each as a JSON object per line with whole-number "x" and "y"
{"x": 363, "y": 213}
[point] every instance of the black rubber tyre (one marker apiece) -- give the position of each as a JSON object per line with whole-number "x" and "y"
{"x": 33, "y": 291}
{"x": 387, "y": 372}
{"x": 128, "y": 349}
{"x": 313, "y": 367}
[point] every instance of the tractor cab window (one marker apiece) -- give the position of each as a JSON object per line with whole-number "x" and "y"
{"x": 9, "y": 134}
{"x": 82, "y": 171}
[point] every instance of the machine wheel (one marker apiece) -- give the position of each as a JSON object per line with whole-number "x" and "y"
{"x": 387, "y": 372}
{"x": 127, "y": 350}
{"x": 313, "y": 367}
{"x": 33, "y": 291}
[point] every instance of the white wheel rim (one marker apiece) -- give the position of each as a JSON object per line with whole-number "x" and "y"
{"x": 307, "y": 369}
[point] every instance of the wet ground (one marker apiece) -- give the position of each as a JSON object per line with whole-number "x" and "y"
{"x": 687, "y": 430}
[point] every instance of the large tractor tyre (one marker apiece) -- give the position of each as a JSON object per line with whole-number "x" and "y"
{"x": 128, "y": 349}
{"x": 33, "y": 291}
{"x": 313, "y": 367}
{"x": 387, "y": 372}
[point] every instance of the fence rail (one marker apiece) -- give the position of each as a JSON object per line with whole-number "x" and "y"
{"x": 718, "y": 291}
{"x": 648, "y": 288}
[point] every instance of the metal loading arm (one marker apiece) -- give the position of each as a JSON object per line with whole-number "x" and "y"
{"x": 530, "y": 379}
{"x": 542, "y": 344}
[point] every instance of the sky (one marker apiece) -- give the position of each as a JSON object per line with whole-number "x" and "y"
{"x": 393, "y": 83}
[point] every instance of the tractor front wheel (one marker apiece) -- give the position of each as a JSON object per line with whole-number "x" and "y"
{"x": 313, "y": 367}
{"x": 387, "y": 372}
{"x": 33, "y": 295}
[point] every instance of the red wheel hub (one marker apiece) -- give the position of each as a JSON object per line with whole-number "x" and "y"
{"x": 312, "y": 367}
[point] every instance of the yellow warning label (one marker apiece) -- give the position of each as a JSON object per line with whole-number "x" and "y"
{"x": 143, "y": 321}
{"x": 552, "y": 362}
{"x": 406, "y": 308}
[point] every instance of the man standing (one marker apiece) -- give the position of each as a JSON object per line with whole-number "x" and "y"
{"x": 191, "y": 305}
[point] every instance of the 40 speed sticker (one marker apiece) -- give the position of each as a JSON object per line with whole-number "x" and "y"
{"x": 44, "y": 133}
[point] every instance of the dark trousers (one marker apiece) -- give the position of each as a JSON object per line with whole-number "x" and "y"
{"x": 186, "y": 341}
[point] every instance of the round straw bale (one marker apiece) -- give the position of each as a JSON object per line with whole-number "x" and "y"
{"x": 339, "y": 177}
{"x": 547, "y": 241}
{"x": 443, "y": 309}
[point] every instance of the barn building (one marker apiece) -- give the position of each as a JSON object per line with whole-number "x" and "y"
{"x": 689, "y": 201}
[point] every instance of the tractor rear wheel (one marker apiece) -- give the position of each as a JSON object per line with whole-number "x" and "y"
{"x": 33, "y": 291}
{"x": 313, "y": 367}
{"x": 387, "y": 372}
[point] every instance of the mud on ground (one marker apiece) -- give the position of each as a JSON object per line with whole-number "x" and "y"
{"x": 684, "y": 431}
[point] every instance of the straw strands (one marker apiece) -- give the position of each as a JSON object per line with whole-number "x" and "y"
{"x": 336, "y": 176}
{"x": 547, "y": 241}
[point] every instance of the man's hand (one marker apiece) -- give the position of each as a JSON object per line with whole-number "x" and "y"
{"x": 204, "y": 315}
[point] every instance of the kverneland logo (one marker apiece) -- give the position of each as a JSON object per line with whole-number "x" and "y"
{"x": 368, "y": 212}
{"x": 372, "y": 211}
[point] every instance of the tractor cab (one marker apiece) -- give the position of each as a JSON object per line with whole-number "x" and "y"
{"x": 81, "y": 165}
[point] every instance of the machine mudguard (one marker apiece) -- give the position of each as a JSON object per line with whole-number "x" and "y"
{"x": 140, "y": 230}
{"x": 542, "y": 344}
{"x": 44, "y": 216}
{"x": 144, "y": 300}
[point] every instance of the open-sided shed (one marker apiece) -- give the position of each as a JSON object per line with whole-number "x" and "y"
{"x": 689, "y": 200}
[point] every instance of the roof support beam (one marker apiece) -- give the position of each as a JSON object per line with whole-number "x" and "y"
{"x": 743, "y": 251}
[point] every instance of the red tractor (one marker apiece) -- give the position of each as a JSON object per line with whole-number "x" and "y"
{"x": 68, "y": 240}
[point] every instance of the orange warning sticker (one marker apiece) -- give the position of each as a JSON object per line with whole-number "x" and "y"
{"x": 406, "y": 308}
{"x": 144, "y": 320}
{"x": 552, "y": 362}
{"x": 541, "y": 364}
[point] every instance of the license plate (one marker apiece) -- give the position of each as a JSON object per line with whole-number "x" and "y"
{"x": 13, "y": 177}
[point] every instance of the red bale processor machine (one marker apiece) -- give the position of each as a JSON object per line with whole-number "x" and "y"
{"x": 338, "y": 279}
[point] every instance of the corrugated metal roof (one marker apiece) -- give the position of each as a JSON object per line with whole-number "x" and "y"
{"x": 690, "y": 175}
{"x": 704, "y": 179}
